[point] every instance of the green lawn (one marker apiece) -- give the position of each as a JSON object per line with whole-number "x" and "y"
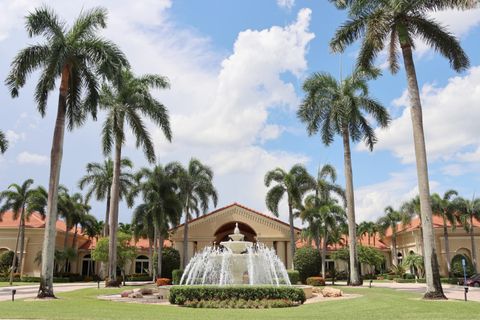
{"x": 377, "y": 303}
{"x": 7, "y": 284}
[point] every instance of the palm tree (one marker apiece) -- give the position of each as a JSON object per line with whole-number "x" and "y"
{"x": 390, "y": 220}
{"x": 125, "y": 228}
{"x": 445, "y": 208}
{"x": 3, "y": 143}
{"x": 100, "y": 177}
{"x": 338, "y": 107}
{"x": 196, "y": 190}
{"x": 294, "y": 184}
{"x": 324, "y": 216}
{"x": 76, "y": 57}
{"x": 367, "y": 228}
{"x": 161, "y": 203}
{"x": 396, "y": 24}
{"x": 468, "y": 211}
{"x": 23, "y": 201}
{"x": 143, "y": 227}
{"x": 126, "y": 100}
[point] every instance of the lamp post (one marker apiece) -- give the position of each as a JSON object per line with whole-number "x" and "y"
{"x": 14, "y": 291}
{"x": 465, "y": 287}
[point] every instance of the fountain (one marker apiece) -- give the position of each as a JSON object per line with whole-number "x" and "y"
{"x": 236, "y": 262}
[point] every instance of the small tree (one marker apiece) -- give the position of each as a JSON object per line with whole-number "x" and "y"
{"x": 371, "y": 257}
{"x": 307, "y": 262}
{"x": 125, "y": 251}
{"x": 415, "y": 263}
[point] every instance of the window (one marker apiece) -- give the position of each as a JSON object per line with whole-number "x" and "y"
{"x": 88, "y": 266}
{"x": 141, "y": 264}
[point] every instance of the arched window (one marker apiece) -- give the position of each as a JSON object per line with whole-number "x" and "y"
{"x": 88, "y": 266}
{"x": 141, "y": 264}
{"x": 399, "y": 258}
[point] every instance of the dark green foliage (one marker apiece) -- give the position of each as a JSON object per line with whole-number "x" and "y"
{"x": 6, "y": 260}
{"x": 177, "y": 276}
{"x": 181, "y": 294}
{"x": 240, "y": 304}
{"x": 139, "y": 277}
{"x": 457, "y": 268}
{"x": 170, "y": 262}
{"x": 294, "y": 276}
{"x": 307, "y": 262}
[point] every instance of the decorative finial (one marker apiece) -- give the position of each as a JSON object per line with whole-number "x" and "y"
{"x": 236, "y": 230}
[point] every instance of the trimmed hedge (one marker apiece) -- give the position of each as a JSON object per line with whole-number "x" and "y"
{"x": 138, "y": 277}
{"x": 177, "y": 276}
{"x": 183, "y": 294}
{"x": 294, "y": 276}
{"x": 241, "y": 304}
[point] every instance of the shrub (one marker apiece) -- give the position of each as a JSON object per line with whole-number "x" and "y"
{"x": 139, "y": 277}
{"x": 307, "y": 262}
{"x": 457, "y": 268}
{"x": 181, "y": 294}
{"x": 170, "y": 261}
{"x": 177, "y": 276}
{"x": 294, "y": 276}
{"x": 6, "y": 260}
{"x": 163, "y": 282}
{"x": 240, "y": 303}
{"x": 315, "y": 281}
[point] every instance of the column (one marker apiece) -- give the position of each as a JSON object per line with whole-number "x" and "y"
{"x": 289, "y": 255}
{"x": 179, "y": 246}
{"x": 281, "y": 252}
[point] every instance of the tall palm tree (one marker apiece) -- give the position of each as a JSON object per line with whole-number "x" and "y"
{"x": 324, "y": 216}
{"x": 23, "y": 200}
{"x": 468, "y": 211}
{"x": 340, "y": 107}
{"x": 367, "y": 228}
{"x": 390, "y": 220}
{"x": 163, "y": 203}
{"x": 3, "y": 142}
{"x": 395, "y": 24}
{"x": 445, "y": 208}
{"x": 100, "y": 177}
{"x": 293, "y": 184}
{"x": 76, "y": 57}
{"x": 196, "y": 190}
{"x": 126, "y": 101}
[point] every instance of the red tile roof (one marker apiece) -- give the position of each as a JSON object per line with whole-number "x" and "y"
{"x": 416, "y": 222}
{"x": 379, "y": 244}
{"x": 35, "y": 221}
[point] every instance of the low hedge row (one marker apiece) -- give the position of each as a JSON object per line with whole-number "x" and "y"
{"x": 422, "y": 280}
{"x": 181, "y": 294}
{"x": 177, "y": 276}
{"x": 241, "y": 304}
{"x": 138, "y": 277}
{"x": 294, "y": 276}
{"x": 315, "y": 281}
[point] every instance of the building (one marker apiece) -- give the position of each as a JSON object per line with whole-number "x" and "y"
{"x": 215, "y": 227}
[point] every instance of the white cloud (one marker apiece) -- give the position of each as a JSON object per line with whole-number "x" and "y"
{"x": 26, "y": 157}
{"x": 13, "y": 137}
{"x": 286, "y": 4}
{"x": 450, "y": 119}
{"x": 371, "y": 200}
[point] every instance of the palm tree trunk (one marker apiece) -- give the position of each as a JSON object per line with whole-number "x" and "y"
{"x": 159, "y": 255}
{"x": 324, "y": 253}
{"x": 75, "y": 236}
{"x": 14, "y": 262}
{"x": 354, "y": 274}
{"x": 65, "y": 240}
{"x": 22, "y": 241}
{"x": 474, "y": 247}
{"x": 48, "y": 251}
{"x": 432, "y": 273}
{"x": 113, "y": 223}
{"x": 292, "y": 233}
{"x": 107, "y": 214}
{"x": 394, "y": 249}
{"x": 447, "y": 246}
{"x": 155, "y": 248}
{"x": 185, "y": 240}
{"x": 150, "y": 259}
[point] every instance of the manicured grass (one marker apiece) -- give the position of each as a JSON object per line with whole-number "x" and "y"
{"x": 7, "y": 284}
{"x": 376, "y": 303}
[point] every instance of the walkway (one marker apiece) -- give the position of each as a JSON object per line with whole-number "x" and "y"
{"x": 451, "y": 291}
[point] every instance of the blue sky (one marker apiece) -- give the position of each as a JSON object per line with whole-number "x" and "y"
{"x": 236, "y": 69}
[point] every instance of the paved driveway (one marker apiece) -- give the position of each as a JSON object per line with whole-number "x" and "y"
{"x": 31, "y": 291}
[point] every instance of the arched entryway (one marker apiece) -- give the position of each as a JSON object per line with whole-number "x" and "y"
{"x": 222, "y": 233}
{"x": 88, "y": 266}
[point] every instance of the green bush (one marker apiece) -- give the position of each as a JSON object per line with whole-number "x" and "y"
{"x": 307, "y": 262}
{"x": 457, "y": 268}
{"x": 138, "y": 277}
{"x": 181, "y": 294}
{"x": 177, "y": 276}
{"x": 294, "y": 276}
{"x": 170, "y": 261}
{"x": 6, "y": 260}
{"x": 240, "y": 304}
{"x": 315, "y": 281}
